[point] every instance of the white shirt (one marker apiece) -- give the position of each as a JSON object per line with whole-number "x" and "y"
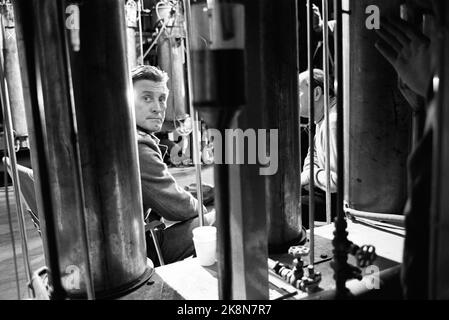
{"x": 320, "y": 153}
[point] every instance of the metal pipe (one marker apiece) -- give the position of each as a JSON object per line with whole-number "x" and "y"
{"x": 26, "y": 31}
{"x": 155, "y": 40}
{"x": 311, "y": 101}
{"x": 158, "y": 248}
{"x": 388, "y": 281}
{"x": 393, "y": 218}
{"x": 326, "y": 107}
{"x": 438, "y": 258}
{"x": 139, "y": 8}
{"x": 377, "y": 118}
{"x": 12, "y": 75}
{"x": 131, "y": 25}
{"x": 14, "y": 174}
{"x": 194, "y": 113}
{"x": 340, "y": 264}
{"x": 78, "y": 174}
{"x": 11, "y": 229}
{"x": 109, "y": 155}
{"x": 107, "y": 145}
{"x": 219, "y": 92}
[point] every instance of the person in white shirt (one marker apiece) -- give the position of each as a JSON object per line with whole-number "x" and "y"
{"x": 319, "y": 156}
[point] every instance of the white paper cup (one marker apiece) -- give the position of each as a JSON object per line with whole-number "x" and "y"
{"x": 205, "y": 241}
{"x": 205, "y": 233}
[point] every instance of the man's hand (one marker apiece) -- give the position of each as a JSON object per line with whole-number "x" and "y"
{"x": 408, "y": 51}
{"x": 317, "y": 21}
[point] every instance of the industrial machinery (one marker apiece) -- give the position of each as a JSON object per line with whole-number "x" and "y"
{"x": 233, "y": 67}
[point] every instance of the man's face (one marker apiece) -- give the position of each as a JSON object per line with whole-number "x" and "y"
{"x": 150, "y": 101}
{"x": 304, "y": 99}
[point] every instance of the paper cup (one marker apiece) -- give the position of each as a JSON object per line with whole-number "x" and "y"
{"x": 205, "y": 233}
{"x": 205, "y": 241}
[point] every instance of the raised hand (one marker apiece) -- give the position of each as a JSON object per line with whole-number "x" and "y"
{"x": 408, "y": 51}
{"x": 317, "y": 21}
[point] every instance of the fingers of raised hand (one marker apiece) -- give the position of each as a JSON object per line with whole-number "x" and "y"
{"x": 410, "y": 31}
{"x": 390, "y": 40}
{"x": 388, "y": 52}
{"x": 395, "y": 32}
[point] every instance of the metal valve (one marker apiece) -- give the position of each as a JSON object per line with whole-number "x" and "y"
{"x": 364, "y": 255}
{"x": 310, "y": 282}
{"x": 298, "y": 272}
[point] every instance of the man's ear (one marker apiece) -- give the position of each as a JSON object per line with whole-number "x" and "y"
{"x": 317, "y": 93}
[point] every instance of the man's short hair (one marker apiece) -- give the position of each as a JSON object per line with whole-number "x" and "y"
{"x": 318, "y": 80}
{"x": 152, "y": 73}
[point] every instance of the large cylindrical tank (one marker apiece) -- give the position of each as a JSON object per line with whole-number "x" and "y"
{"x": 99, "y": 88}
{"x": 377, "y": 117}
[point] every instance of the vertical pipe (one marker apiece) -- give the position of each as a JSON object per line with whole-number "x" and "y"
{"x": 78, "y": 174}
{"x": 195, "y": 132}
{"x": 11, "y": 228}
{"x": 131, "y": 25}
{"x": 158, "y": 248}
{"x": 107, "y": 146}
{"x": 26, "y": 32}
{"x": 15, "y": 177}
{"x": 218, "y": 92}
{"x": 12, "y": 73}
{"x": 326, "y": 107}
{"x": 438, "y": 278}
{"x": 340, "y": 240}
{"x": 311, "y": 130}
{"x": 378, "y": 118}
{"x": 140, "y": 9}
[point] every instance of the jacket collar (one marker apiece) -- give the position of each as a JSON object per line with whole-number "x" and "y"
{"x": 150, "y": 135}
{"x": 144, "y": 133}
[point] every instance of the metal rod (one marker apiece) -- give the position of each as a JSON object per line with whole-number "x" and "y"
{"x": 15, "y": 176}
{"x": 27, "y": 44}
{"x": 394, "y": 218}
{"x": 438, "y": 223}
{"x": 164, "y": 26}
{"x": 158, "y": 248}
{"x": 340, "y": 240}
{"x": 221, "y": 178}
{"x": 140, "y": 7}
{"x": 79, "y": 176}
{"x": 194, "y": 114}
{"x": 311, "y": 131}
{"x": 326, "y": 108}
{"x": 11, "y": 229}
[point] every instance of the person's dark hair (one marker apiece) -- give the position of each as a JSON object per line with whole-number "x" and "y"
{"x": 318, "y": 80}
{"x": 152, "y": 73}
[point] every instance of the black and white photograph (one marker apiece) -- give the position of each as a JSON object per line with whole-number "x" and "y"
{"x": 224, "y": 155}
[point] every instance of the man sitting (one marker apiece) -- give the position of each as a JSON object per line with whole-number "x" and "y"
{"x": 319, "y": 156}
{"x": 163, "y": 198}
